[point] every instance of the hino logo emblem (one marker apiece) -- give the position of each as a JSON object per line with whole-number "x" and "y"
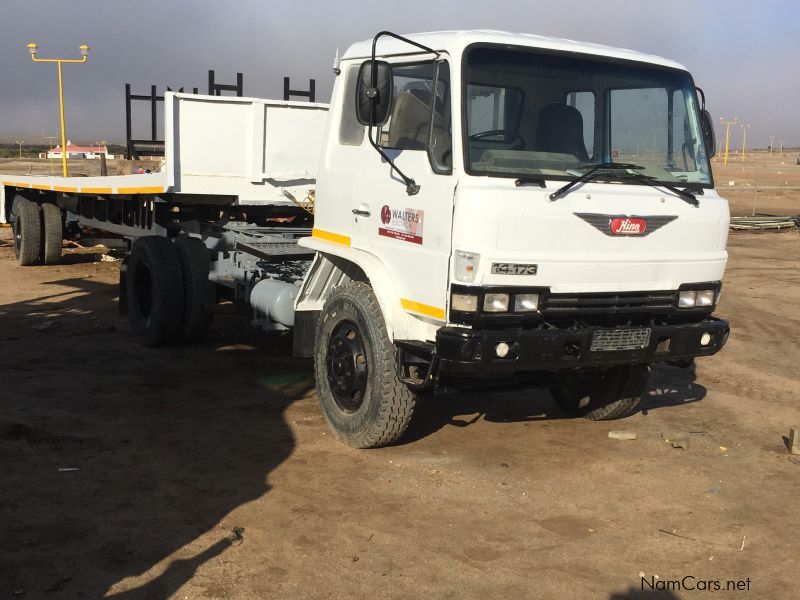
{"x": 626, "y": 225}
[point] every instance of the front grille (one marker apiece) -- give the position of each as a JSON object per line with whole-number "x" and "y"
{"x": 565, "y": 305}
{"x": 614, "y": 340}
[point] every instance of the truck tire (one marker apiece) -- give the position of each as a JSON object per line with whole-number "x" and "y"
{"x": 27, "y": 225}
{"x": 53, "y": 234}
{"x": 155, "y": 291}
{"x": 362, "y": 399}
{"x": 610, "y": 394}
{"x": 198, "y": 292}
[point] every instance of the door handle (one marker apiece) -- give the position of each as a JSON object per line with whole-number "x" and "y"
{"x": 361, "y": 213}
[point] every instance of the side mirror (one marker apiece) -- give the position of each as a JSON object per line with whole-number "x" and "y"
{"x": 374, "y": 91}
{"x": 709, "y": 137}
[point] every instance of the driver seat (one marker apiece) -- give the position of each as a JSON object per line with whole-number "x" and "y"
{"x": 560, "y": 130}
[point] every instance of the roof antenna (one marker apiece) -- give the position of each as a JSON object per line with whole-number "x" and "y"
{"x": 336, "y": 61}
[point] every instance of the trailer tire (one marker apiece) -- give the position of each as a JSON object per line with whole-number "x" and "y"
{"x": 155, "y": 291}
{"x": 27, "y": 229}
{"x": 198, "y": 292}
{"x": 362, "y": 399}
{"x": 53, "y": 234}
{"x": 604, "y": 396}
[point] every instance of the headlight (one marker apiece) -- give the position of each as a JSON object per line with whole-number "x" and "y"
{"x": 526, "y": 302}
{"x": 495, "y": 303}
{"x": 696, "y": 298}
{"x": 464, "y": 302}
{"x": 466, "y": 265}
{"x": 705, "y": 298}
{"x": 687, "y": 299}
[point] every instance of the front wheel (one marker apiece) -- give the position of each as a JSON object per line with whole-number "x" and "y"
{"x": 362, "y": 399}
{"x": 601, "y": 396}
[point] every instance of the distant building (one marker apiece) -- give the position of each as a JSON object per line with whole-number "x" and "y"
{"x": 74, "y": 151}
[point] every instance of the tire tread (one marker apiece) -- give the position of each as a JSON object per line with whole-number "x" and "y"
{"x": 397, "y": 401}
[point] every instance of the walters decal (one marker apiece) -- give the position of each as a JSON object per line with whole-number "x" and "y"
{"x": 628, "y": 226}
{"x": 402, "y": 224}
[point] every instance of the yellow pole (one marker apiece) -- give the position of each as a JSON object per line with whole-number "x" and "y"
{"x": 728, "y": 134}
{"x": 63, "y": 123}
{"x": 744, "y": 140}
{"x": 32, "y": 49}
{"x": 727, "y": 141}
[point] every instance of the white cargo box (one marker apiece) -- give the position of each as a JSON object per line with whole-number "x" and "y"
{"x": 249, "y": 148}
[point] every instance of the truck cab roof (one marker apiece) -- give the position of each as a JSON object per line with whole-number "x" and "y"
{"x": 454, "y": 43}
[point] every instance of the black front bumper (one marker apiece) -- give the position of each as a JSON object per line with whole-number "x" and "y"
{"x": 473, "y": 351}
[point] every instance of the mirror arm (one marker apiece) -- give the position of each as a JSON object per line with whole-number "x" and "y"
{"x": 412, "y": 188}
{"x": 402, "y": 39}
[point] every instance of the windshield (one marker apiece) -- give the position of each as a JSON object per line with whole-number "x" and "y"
{"x": 542, "y": 114}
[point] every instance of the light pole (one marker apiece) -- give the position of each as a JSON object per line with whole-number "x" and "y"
{"x": 19, "y": 143}
{"x": 50, "y": 145}
{"x": 32, "y": 48}
{"x": 745, "y": 127}
{"x": 728, "y": 134}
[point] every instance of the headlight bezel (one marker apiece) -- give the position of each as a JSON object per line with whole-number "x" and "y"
{"x": 507, "y": 293}
{"x": 698, "y": 297}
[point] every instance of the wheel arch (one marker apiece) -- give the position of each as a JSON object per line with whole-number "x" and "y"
{"x": 334, "y": 265}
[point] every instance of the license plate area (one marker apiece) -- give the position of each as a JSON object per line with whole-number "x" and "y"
{"x": 617, "y": 340}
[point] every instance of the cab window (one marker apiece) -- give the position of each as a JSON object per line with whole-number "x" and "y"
{"x": 420, "y": 118}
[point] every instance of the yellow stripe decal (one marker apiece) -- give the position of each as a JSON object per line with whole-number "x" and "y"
{"x": 329, "y": 236}
{"x": 41, "y": 187}
{"x": 8, "y": 183}
{"x": 423, "y": 309}
{"x": 64, "y": 189}
{"x": 23, "y": 185}
{"x": 95, "y": 190}
{"x": 141, "y": 190}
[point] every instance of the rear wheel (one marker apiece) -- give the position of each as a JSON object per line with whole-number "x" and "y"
{"x": 155, "y": 291}
{"x": 362, "y": 399}
{"x": 198, "y": 292}
{"x": 604, "y": 395}
{"x": 27, "y": 226}
{"x": 53, "y": 234}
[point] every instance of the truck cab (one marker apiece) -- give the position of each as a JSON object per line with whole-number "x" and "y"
{"x": 519, "y": 205}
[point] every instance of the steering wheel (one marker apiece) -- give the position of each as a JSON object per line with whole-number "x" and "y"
{"x": 507, "y": 136}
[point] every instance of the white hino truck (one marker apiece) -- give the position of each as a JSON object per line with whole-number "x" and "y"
{"x": 471, "y": 205}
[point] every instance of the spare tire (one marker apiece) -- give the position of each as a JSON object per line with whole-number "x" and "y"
{"x": 155, "y": 291}
{"x": 27, "y": 226}
{"x": 604, "y": 395}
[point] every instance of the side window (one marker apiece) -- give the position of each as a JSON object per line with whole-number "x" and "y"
{"x": 584, "y": 103}
{"x": 351, "y": 132}
{"x": 420, "y": 117}
{"x": 491, "y": 108}
{"x": 685, "y": 142}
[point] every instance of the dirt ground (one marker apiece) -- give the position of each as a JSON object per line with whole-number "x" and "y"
{"x": 762, "y": 183}
{"x": 125, "y": 470}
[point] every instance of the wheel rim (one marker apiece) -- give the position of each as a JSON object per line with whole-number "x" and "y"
{"x": 16, "y": 228}
{"x": 141, "y": 286}
{"x": 347, "y": 368}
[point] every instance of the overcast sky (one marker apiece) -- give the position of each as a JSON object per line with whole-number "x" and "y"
{"x": 745, "y": 54}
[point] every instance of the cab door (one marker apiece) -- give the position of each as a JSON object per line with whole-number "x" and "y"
{"x": 411, "y": 233}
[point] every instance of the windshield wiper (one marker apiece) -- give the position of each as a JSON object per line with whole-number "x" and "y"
{"x": 684, "y": 194}
{"x": 592, "y": 169}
